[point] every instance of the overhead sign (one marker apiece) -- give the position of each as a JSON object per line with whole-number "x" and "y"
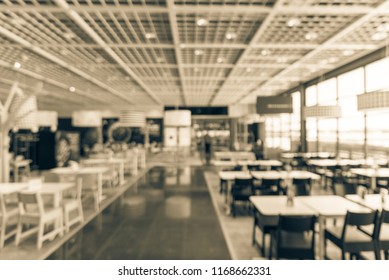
{"x": 274, "y": 105}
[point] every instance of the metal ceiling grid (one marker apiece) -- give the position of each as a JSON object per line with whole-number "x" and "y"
{"x": 182, "y": 52}
{"x": 221, "y": 27}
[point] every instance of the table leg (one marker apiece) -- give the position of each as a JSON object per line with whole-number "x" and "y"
{"x": 322, "y": 220}
{"x": 228, "y": 197}
{"x": 121, "y": 173}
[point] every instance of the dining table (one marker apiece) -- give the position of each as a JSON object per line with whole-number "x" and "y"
{"x": 119, "y": 163}
{"x": 329, "y": 206}
{"x": 268, "y": 163}
{"x": 372, "y": 201}
{"x": 372, "y": 174}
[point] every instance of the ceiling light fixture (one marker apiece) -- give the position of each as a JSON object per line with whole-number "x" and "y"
{"x": 310, "y": 36}
{"x": 379, "y": 36}
{"x": 282, "y": 59}
{"x": 150, "y": 35}
{"x": 293, "y": 22}
{"x": 220, "y": 60}
{"x": 69, "y": 35}
{"x": 348, "y": 52}
{"x": 72, "y": 89}
{"x": 17, "y": 65}
{"x": 265, "y": 52}
{"x": 202, "y": 22}
{"x": 248, "y": 70}
{"x": 230, "y": 36}
{"x": 198, "y": 52}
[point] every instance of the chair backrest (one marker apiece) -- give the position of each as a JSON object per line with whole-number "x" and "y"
{"x": 384, "y": 219}
{"x": 30, "y": 202}
{"x": 237, "y": 168}
{"x": 88, "y": 181}
{"x": 2, "y": 205}
{"x": 243, "y": 182}
{"x": 360, "y": 219}
{"x": 302, "y": 186}
{"x": 290, "y": 231}
{"x": 51, "y": 177}
{"x": 343, "y": 189}
{"x": 296, "y": 223}
{"x": 270, "y": 182}
{"x": 252, "y": 167}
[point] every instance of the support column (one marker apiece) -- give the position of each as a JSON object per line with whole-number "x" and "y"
{"x": 303, "y": 124}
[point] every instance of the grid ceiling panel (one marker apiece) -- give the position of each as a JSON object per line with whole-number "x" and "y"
{"x": 132, "y": 48}
{"x": 268, "y": 3}
{"x": 130, "y": 27}
{"x": 312, "y": 28}
{"x": 223, "y": 27}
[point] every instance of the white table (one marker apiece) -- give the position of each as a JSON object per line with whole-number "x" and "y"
{"x": 220, "y": 164}
{"x": 234, "y": 156}
{"x": 293, "y": 174}
{"x": 372, "y": 173}
{"x": 53, "y": 190}
{"x": 10, "y": 188}
{"x": 119, "y": 162}
{"x": 329, "y": 206}
{"x": 267, "y": 163}
{"x": 372, "y": 201}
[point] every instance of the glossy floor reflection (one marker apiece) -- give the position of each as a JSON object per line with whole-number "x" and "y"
{"x": 169, "y": 215}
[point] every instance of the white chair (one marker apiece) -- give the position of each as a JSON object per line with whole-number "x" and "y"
{"x": 72, "y": 207}
{"x": 33, "y": 212}
{"x": 9, "y": 214}
{"x": 91, "y": 189}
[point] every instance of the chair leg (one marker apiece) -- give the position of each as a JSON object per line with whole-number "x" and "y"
{"x": 343, "y": 254}
{"x": 2, "y": 233}
{"x": 263, "y": 250}
{"x": 253, "y": 243}
{"x": 41, "y": 229}
{"x": 18, "y": 233}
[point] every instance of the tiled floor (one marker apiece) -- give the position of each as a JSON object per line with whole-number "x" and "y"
{"x": 148, "y": 232}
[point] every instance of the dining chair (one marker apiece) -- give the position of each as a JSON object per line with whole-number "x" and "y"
{"x": 350, "y": 238}
{"x": 294, "y": 238}
{"x": 72, "y": 206}
{"x": 268, "y": 186}
{"x": 34, "y": 212}
{"x": 302, "y": 186}
{"x": 9, "y": 213}
{"x": 241, "y": 190}
{"x": 383, "y": 233}
{"x": 343, "y": 189}
{"x": 50, "y": 177}
{"x": 91, "y": 189}
{"x": 266, "y": 226}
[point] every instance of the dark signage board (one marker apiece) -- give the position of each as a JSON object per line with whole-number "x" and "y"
{"x": 274, "y": 105}
{"x": 202, "y": 110}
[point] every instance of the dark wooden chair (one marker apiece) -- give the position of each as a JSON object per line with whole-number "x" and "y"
{"x": 294, "y": 238}
{"x": 350, "y": 238}
{"x": 241, "y": 190}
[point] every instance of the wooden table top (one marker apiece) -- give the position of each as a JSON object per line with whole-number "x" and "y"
{"x": 373, "y": 201}
{"x": 296, "y": 174}
{"x": 276, "y": 205}
{"x": 331, "y": 205}
{"x": 371, "y": 172}
{"x": 8, "y": 188}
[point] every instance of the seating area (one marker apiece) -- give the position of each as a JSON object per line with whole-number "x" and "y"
{"x": 171, "y": 129}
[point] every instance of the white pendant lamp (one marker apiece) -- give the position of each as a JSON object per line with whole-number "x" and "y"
{"x": 373, "y": 101}
{"x": 131, "y": 118}
{"x": 332, "y": 111}
{"x": 23, "y": 109}
{"x": 87, "y": 118}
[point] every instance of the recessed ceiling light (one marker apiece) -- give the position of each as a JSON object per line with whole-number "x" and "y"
{"x": 293, "y": 22}
{"x": 202, "y": 22}
{"x": 99, "y": 59}
{"x": 383, "y": 27}
{"x": 220, "y": 60}
{"x": 230, "y": 36}
{"x": 25, "y": 57}
{"x": 160, "y": 59}
{"x": 265, "y": 52}
{"x": 150, "y": 35}
{"x": 323, "y": 62}
{"x": 198, "y": 52}
{"x": 282, "y": 59}
{"x": 17, "y": 65}
{"x": 248, "y": 69}
{"x": 333, "y": 59}
{"x": 182, "y": 46}
{"x": 18, "y": 21}
{"x": 379, "y": 36}
{"x": 127, "y": 78}
{"x": 196, "y": 70}
{"x": 310, "y": 36}
{"x": 348, "y": 52}
{"x": 72, "y": 89}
